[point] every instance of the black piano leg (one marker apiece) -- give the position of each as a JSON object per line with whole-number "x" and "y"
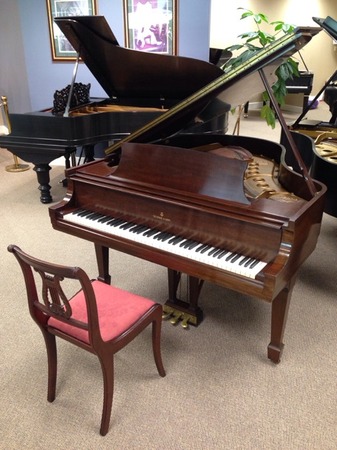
{"x": 89, "y": 152}
{"x": 178, "y": 310}
{"x": 42, "y": 172}
{"x": 102, "y": 257}
{"x": 279, "y": 314}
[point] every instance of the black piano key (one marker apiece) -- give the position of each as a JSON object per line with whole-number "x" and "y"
{"x": 217, "y": 253}
{"x": 211, "y": 252}
{"x": 104, "y": 219}
{"x": 127, "y": 225}
{"x": 207, "y": 247}
{"x": 151, "y": 232}
{"x": 230, "y": 256}
{"x": 201, "y": 246}
{"x": 185, "y": 243}
{"x": 161, "y": 236}
{"x": 134, "y": 228}
{"x": 253, "y": 264}
{"x": 236, "y": 257}
{"x": 222, "y": 254}
{"x": 244, "y": 260}
{"x": 139, "y": 229}
{"x": 250, "y": 261}
{"x": 193, "y": 245}
{"x": 95, "y": 216}
{"x": 166, "y": 237}
{"x": 176, "y": 240}
{"x": 115, "y": 222}
{"x": 82, "y": 212}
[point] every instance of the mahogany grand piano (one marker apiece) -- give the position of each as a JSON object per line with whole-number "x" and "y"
{"x": 140, "y": 86}
{"x": 223, "y": 209}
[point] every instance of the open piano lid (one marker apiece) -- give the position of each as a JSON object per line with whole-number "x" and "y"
{"x": 328, "y": 24}
{"x": 234, "y": 88}
{"x": 126, "y": 73}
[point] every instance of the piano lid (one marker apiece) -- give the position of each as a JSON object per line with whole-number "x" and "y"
{"x": 234, "y": 88}
{"x": 328, "y": 24}
{"x": 126, "y": 73}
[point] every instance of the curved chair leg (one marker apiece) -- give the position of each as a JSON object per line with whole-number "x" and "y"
{"x": 156, "y": 332}
{"x": 107, "y": 365}
{"x": 50, "y": 341}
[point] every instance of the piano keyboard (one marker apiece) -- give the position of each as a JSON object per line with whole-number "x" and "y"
{"x": 177, "y": 245}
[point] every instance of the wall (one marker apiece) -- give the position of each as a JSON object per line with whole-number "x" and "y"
{"x": 13, "y": 73}
{"x": 30, "y": 77}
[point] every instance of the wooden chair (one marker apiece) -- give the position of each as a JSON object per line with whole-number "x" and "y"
{"x": 99, "y": 318}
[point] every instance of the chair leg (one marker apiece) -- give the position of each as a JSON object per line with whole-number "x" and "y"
{"x": 50, "y": 341}
{"x": 107, "y": 365}
{"x": 156, "y": 334}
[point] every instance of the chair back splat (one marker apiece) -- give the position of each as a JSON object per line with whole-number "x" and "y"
{"x": 97, "y": 317}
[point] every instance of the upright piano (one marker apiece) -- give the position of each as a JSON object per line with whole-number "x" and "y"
{"x": 218, "y": 208}
{"x": 140, "y": 87}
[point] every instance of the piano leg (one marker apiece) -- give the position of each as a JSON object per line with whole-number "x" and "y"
{"x": 279, "y": 314}
{"x": 42, "y": 172}
{"x": 102, "y": 257}
{"x": 188, "y": 312}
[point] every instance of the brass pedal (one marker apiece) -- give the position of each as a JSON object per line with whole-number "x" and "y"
{"x": 166, "y": 315}
{"x": 176, "y": 317}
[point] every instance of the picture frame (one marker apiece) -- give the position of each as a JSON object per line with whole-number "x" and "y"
{"x": 60, "y": 47}
{"x": 151, "y": 25}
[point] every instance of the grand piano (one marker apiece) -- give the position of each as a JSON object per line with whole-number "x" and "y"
{"x": 218, "y": 208}
{"x": 323, "y": 165}
{"x": 140, "y": 86}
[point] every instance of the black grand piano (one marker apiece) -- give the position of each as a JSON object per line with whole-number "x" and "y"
{"x": 233, "y": 210}
{"x": 323, "y": 163}
{"x": 140, "y": 87}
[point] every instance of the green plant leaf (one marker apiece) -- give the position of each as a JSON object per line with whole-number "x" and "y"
{"x": 259, "y": 18}
{"x": 246, "y": 14}
{"x": 268, "y": 115}
{"x": 234, "y": 47}
{"x": 249, "y": 35}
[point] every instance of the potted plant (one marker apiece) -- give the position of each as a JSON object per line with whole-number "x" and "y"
{"x": 253, "y": 42}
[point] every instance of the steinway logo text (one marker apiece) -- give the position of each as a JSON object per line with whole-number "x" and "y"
{"x": 161, "y": 217}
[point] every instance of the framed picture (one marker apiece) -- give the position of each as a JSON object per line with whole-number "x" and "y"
{"x": 60, "y": 46}
{"x": 150, "y": 25}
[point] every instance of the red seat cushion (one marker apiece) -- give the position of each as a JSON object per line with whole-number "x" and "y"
{"x": 117, "y": 310}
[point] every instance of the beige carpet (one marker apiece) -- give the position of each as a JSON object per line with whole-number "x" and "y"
{"x": 220, "y": 392}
